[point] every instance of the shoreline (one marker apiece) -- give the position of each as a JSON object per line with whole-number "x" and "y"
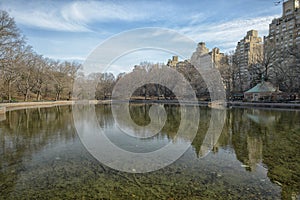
{"x": 23, "y": 105}
{"x": 293, "y": 106}
{"x": 229, "y": 104}
{"x": 4, "y": 107}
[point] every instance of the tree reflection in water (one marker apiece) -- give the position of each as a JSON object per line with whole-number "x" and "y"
{"x": 42, "y": 157}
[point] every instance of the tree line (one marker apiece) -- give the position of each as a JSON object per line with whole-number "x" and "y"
{"x": 105, "y": 82}
{"x": 27, "y": 75}
{"x": 280, "y": 67}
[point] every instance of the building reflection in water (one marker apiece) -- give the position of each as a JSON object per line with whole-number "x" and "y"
{"x": 260, "y": 139}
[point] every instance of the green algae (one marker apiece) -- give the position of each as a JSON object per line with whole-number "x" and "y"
{"x": 42, "y": 158}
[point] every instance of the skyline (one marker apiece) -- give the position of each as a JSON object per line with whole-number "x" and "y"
{"x": 71, "y": 30}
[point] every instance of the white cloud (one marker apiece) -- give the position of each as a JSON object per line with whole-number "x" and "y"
{"x": 49, "y": 21}
{"x": 78, "y": 15}
{"x": 82, "y": 16}
{"x": 226, "y": 35}
{"x": 42, "y": 15}
{"x": 87, "y": 11}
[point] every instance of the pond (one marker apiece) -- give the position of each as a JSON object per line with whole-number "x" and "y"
{"x": 256, "y": 156}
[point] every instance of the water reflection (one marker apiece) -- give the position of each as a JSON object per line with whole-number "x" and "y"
{"x": 262, "y": 117}
{"x": 2, "y": 117}
{"x": 26, "y": 132}
{"x": 256, "y": 156}
{"x": 270, "y": 139}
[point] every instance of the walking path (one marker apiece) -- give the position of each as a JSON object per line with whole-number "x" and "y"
{"x": 22, "y": 105}
{"x": 264, "y": 105}
{"x": 18, "y": 106}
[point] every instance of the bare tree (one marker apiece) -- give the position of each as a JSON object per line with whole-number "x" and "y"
{"x": 60, "y": 76}
{"x": 227, "y": 73}
{"x": 105, "y": 84}
{"x": 40, "y": 76}
{"x": 10, "y": 71}
{"x": 10, "y": 36}
{"x": 27, "y": 71}
{"x": 10, "y": 45}
{"x": 287, "y": 71}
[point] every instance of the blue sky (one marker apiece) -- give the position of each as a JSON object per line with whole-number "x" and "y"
{"x": 72, "y": 29}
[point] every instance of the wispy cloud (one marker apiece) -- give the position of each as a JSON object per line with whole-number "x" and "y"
{"x": 43, "y": 16}
{"x": 88, "y": 11}
{"x": 225, "y": 35}
{"x": 79, "y": 16}
{"x": 50, "y": 21}
{"x": 64, "y": 29}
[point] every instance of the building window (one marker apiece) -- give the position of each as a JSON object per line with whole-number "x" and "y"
{"x": 288, "y": 11}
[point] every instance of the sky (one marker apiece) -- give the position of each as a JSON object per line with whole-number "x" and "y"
{"x": 72, "y": 30}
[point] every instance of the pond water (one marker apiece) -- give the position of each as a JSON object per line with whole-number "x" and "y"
{"x": 256, "y": 156}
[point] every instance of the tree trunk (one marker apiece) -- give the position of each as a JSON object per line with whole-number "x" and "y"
{"x": 157, "y": 90}
{"x": 38, "y": 96}
{"x": 70, "y": 95}
{"x": 26, "y": 95}
{"x": 145, "y": 92}
{"x": 57, "y": 96}
{"x": 8, "y": 91}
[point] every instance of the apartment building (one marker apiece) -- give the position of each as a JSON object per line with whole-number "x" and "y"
{"x": 249, "y": 51}
{"x": 284, "y": 32}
